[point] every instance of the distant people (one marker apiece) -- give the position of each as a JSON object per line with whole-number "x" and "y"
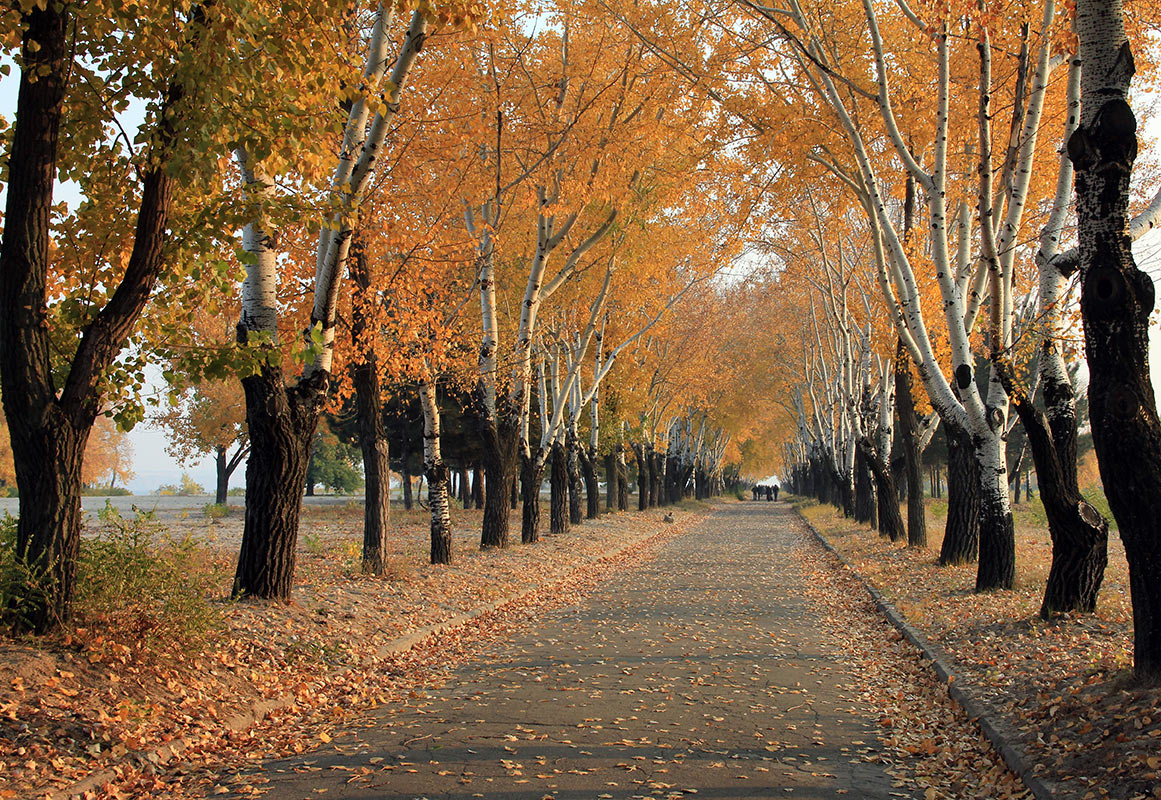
{"x": 775, "y": 491}
{"x": 755, "y": 489}
{"x": 769, "y": 493}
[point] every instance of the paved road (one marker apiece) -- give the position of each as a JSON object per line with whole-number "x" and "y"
{"x": 703, "y": 673}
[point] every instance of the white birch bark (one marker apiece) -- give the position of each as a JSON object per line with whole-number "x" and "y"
{"x": 260, "y": 288}
{"x": 349, "y": 193}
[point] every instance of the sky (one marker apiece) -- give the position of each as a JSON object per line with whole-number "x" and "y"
{"x": 153, "y": 466}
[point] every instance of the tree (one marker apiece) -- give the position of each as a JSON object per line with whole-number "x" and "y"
{"x": 332, "y": 465}
{"x": 209, "y": 418}
{"x": 108, "y": 455}
{"x": 282, "y": 417}
{"x": 66, "y": 51}
{"x": 1116, "y": 300}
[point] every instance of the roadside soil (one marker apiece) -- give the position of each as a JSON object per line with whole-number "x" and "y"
{"x": 1064, "y": 686}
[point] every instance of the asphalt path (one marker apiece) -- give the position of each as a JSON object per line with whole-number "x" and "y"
{"x": 703, "y": 673}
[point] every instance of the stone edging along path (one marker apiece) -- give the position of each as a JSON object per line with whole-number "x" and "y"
{"x": 975, "y": 709}
{"x": 254, "y": 713}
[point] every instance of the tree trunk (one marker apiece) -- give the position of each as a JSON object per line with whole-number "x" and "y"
{"x": 477, "y": 488}
{"x": 49, "y": 430}
{"x": 643, "y": 479}
{"x": 531, "y": 476}
{"x": 864, "y": 491}
{"x": 438, "y": 477}
{"x": 405, "y": 471}
{"x": 592, "y": 485}
{"x": 622, "y": 480}
{"x": 890, "y": 520}
{"x": 499, "y": 471}
{"x": 909, "y": 441}
{"x": 558, "y": 483}
{"x": 281, "y": 423}
{"x": 376, "y": 466}
{"x": 961, "y": 534}
{"x": 575, "y": 484}
{"x": 465, "y": 487}
{"x": 656, "y": 478}
{"x": 48, "y": 532}
{"x": 369, "y": 420}
{"x": 1079, "y": 533}
{"x": 996, "y": 568}
{"x": 221, "y": 475}
{"x": 1116, "y": 300}
{"x": 611, "y": 483}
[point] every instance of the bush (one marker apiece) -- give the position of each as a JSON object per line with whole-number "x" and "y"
{"x": 216, "y": 511}
{"x": 105, "y": 491}
{"x": 15, "y": 578}
{"x": 145, "y": 584}
{"x": 187, "y": 488}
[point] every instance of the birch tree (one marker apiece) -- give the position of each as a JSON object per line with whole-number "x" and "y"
{"x": 281, "y": 416}
{"x": 1116, "y": 300}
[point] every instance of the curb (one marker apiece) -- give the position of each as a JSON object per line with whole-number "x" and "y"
{"x": 975, "y": 709}
{"x": 165, "y": 752}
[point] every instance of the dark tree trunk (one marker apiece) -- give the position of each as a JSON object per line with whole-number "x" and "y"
{"x": 405, "y": 471}
{"x": 846, "y": 492}
{"x": 514, "y": 495}
{"x": 369, "y": 419}
{"x": 890, "y": 520}
{"x": 49, "y": 527}
{"x": 1116, "y": 301}
{"x": 909, "y": 442}
{"x": 997, "y": 548}
{"x": 221, "y": 476}
{"x": 864, "y": 490}
{"x": 531, "y": 476}
{"x": 439, "y": 502}
{"x": 1079, "y": 533}
{"x": 643, "y": 479}
{"x": 376, "y": 466}
{"x": 611, "y": 480}
{"x": 656, "y": 478}
{"x": 558, "y": 483}
{"x": 575, "y": 484}
{"x": 592, "y": 486}
{"x": 281, "y": 423}
{"x": 466, "y": 496}
{"x": 622, "y": 480}
{"x": 961, "y": 540}
{"x": 477, "y": 487}
{"x": 500, "y": 461}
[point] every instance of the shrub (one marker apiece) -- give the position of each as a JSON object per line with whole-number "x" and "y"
{"x": 105, "y": 491}
{"x": 187, "y": 488}
{"x": 145, "y": 584}
{"x": 216, "y": 511}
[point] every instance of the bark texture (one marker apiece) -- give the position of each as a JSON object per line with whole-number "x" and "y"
{"x": 558, "y": 484}
{"x": 961, "y": 536}
{"x": 909, "y": 443}
{"x": 531, "y": 476}
{"x": 281, "y": 422}
{"x": 49, "y": 430}
{"x": 1116, "y": 300}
